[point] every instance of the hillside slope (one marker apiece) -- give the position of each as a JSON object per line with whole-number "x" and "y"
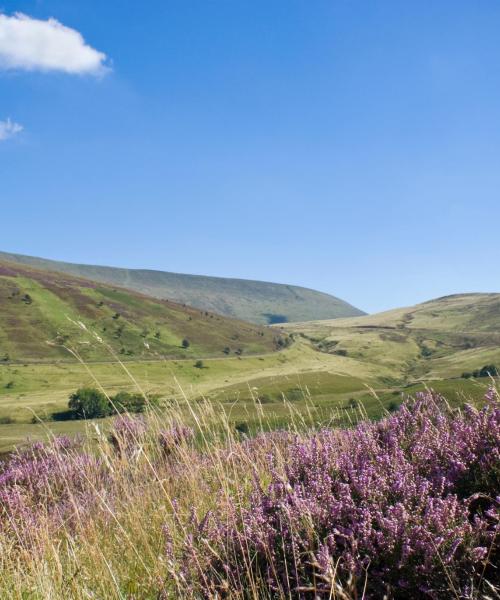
{"x": 42, "y": 310}
{"x": 253, "y": 301}
{"x": 439, "y": 338}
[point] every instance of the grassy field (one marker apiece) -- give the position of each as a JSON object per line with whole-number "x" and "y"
{"x": 434, "y": 340}
{"x": 318, "y": 386}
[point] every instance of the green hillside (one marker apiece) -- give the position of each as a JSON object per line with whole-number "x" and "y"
{"x": 253, "y": 301}
{"x": 441, "y": 338}
{"x": 327, "y": 371}
{"x": 43, "y": 311}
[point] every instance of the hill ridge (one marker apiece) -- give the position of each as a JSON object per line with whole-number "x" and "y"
{"x": 256, "y": 301}
{"x": 42, "y": 311}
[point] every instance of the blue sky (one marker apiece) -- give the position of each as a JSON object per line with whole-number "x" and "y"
{"x": 347, "y": 146}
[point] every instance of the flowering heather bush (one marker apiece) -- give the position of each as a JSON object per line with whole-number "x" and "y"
{"x": 50, "y": 484}
{"x": 127, "y": 434}
{"x": 407, "y": 507}
{"x": 178, "y": 434}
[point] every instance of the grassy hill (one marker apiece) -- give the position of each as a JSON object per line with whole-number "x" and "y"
{"x": 441, "y": 338}
{"x": 254, "y": 301}
{"x": 42, "y": 311}
{"x": 332, "y": 368}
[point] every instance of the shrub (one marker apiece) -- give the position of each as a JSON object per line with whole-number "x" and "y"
{"x": 89, "y": 403}
{"x": 393, "y": 406}
{"x": 294, "y": 394}
{"x": 127, "y": 402}
{"x": 242, "y": 428}
{"x": 486, "y": 371}
{"x": 133, "y": 402}
{"x": 405, "y": 508}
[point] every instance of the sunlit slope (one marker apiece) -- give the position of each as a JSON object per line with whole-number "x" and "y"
{"x": 439, "y": 338}
{"x": 42, "y": 311}
{"x": 253, "y": 301}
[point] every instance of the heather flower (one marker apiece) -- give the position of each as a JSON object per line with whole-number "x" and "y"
{"x": 127, "y": 434}
{"x": 174, "y": 437}
{"x": 401, "y": 507}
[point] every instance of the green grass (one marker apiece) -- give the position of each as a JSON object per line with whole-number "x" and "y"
{"x": 382, "y": 357}
{"x": 41, "y": 312}
{"x": 434, "y": 340}
{"x": 299, "y": 382}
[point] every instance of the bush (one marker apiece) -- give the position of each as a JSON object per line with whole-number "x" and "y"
{"x": 294, "y": 394}
{"x": 89, "y": 403}
{"x": 199, "y": 364}
{"x": 486, "y": 371}
{"x": 242, "y": 428}
{"x": 127, "y": 402}
{"x": 133, "y": 402}
{"x": 340, "y": 352}
{"x": 404, "y": 508}
{"x": 185, "y": 343}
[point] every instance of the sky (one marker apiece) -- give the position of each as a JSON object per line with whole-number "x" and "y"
{"x": 350, "y": 146}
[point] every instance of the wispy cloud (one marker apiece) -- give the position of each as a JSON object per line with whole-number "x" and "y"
{"x": 9, "y": 129}
{"x": 36, "y": 45}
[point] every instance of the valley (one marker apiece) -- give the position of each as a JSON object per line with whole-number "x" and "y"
{"x": 325, "y": 371}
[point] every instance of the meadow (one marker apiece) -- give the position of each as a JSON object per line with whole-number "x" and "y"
{"x": 297, "y": 380}
{"x": 313, "y": 463}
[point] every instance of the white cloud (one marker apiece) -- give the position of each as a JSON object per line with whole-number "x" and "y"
{"x": 36, "y": 45}
{"x": 9, "y": 129}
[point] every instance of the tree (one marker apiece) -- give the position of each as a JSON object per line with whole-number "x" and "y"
{"x": 486, "y": 371}
{"x": 199, "y": 364}
{"x": 89, "y": 403}
{"x": 185, "y": 343}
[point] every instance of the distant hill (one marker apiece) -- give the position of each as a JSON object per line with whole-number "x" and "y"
{"x": 439, "y": 338}
{"x": 42, "y": 311}
{"x": 254, "y": 301}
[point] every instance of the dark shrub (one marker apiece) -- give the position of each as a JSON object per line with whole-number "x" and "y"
{"x": 127, "y": 402}
{"x": 487, "y": 371}
{"x": 133, "y": 402}
{"x": 242, "y": 428}
{"x": 89, "y": 403}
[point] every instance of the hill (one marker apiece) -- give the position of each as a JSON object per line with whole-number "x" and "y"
{"x": 41, "y": 311}
{"x": 439, "y": 338}
{"x": 254, "y": 301}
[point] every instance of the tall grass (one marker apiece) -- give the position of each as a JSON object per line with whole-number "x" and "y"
{"x": 182, "y": 505}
